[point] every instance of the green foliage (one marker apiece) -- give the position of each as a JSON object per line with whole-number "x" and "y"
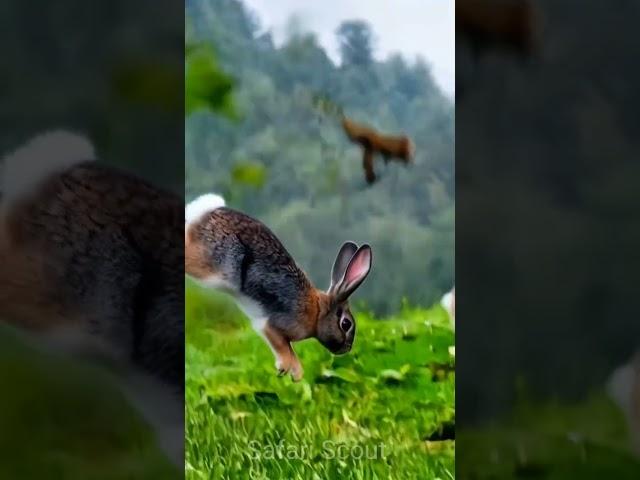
{"x": 386, "y": 391}
{"x": 147, "y": 83}
{"x": 249, "y": 173}
{"x": 65, "y": 420}
{"x": 206, "y": 86}
{"x": 306, "y": 180}
{"x": 119, "y": 80}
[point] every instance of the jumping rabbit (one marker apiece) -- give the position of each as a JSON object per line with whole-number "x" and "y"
{"x": 230, "y": 251}
{"x": 91, "y": 261}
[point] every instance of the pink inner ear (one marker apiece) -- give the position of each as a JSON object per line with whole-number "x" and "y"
{"x": 358, "y": 267}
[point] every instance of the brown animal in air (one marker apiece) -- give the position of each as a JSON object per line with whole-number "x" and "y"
{"x": 398, "y": 148}
{"x": 489, "y": 24}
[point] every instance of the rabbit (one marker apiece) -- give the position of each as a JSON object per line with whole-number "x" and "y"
{"x": 448, "y": 302}
{"x": 623, "y": 387}
{"x": 91, "y": 261}
{"x": 233, "y": 252}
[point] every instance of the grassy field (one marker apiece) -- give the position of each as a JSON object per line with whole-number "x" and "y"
{"x": 63, "y": 420}
{"x": 380, "y": 412}
{"x": 587, "y": 441}
{"x": 66, "y": 421}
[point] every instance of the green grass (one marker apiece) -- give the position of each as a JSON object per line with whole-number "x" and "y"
{"x": 67, "y": 421}
{"x": 586, "y": 440}
{"x": 385, "y": 399}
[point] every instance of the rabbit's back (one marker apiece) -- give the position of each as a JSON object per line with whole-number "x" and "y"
{"x": 248, "y": 256}
{"x": 113, "y": 253}
{"x": 76, "y": 209}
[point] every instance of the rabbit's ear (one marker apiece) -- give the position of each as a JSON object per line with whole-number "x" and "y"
{"x": 342, "y": 261}
{"x": 357, "y": 270}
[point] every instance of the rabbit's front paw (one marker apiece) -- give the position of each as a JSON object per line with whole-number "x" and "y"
{"x": 296, "y": 371}
{"x": 289, "y": 365}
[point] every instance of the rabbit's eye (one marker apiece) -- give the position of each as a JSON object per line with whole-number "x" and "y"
{"x": 345, "y": 324}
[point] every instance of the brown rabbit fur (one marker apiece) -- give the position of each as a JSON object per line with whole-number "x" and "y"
{"x": 233, "y": 252}
{"x": 76, "y": 223}
{"x": 94, "y": 251}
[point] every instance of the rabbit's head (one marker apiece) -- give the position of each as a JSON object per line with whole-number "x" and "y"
{"x": 336, "y": 326}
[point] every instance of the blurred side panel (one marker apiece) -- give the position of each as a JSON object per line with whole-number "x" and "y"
{"x": 547, "y": 231}
{"x": 91, "y": 239}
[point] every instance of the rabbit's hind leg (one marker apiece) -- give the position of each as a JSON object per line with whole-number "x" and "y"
{"x": 198, "y": 265}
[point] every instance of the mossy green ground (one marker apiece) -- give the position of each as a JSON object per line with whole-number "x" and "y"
{"x": 384, "y": 399}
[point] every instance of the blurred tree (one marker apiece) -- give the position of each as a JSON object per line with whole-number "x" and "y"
{"x": 355, "y": 39}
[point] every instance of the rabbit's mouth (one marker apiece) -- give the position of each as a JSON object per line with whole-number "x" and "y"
{"x": 337, "y": 346}
{"x": 345, "y": 348}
